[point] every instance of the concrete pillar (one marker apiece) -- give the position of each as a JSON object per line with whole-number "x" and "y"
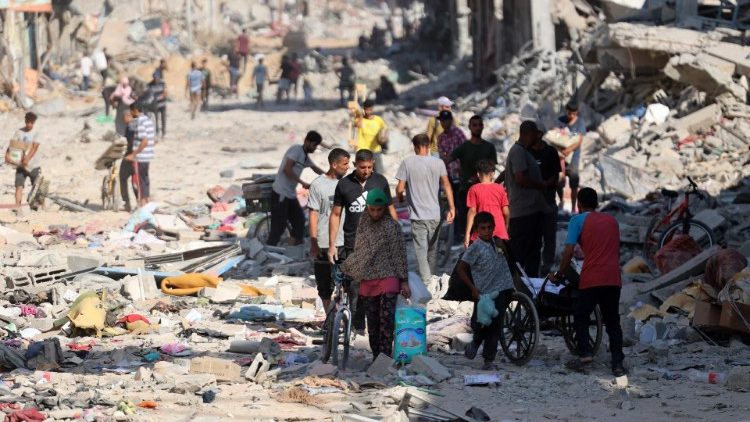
{"x": 463, "y": 40}
{"x": 543, "y": 30}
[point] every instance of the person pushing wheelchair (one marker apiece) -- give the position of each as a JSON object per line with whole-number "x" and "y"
{"x": 599, "y": 237}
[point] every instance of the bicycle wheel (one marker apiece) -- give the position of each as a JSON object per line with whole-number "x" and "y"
{"x": 263, "y": 229}
{"x": 701, "y": 233}
{"x": 519, "y": 329}
{"x": 596, "y": 331}
{"x": 327, "y": 331}
{"x": 340, "y": 338}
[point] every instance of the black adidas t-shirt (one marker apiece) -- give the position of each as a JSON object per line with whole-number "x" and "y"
{"x": 352, "y": 196}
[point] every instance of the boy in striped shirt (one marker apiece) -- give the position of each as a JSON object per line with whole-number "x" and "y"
{"x": 143, "y": 152}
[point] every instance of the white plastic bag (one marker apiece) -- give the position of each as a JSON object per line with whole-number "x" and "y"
{"x": 419, "y": 293}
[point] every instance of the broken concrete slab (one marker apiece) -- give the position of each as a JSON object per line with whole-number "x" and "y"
{"x": 430, "y": 367}
{"x": 711, "y": 218}
{"x": 735, "y": 53}
{"x": 690, "y": 70}
{"x": 321, "y": 369}
{"x": 383, "y": 366}
{"x": 694, "y": 266}
{"x": 223, "y": 369}
{"x": 699, "y": 120}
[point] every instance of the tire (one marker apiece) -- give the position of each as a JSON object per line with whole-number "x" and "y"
{"x": 263, "y": 229}
{"x": 341, "y": 330}
{"x": 519, "y": 327}
{"x": 565, "y": 325}
{"x": 327, "y": 330}
{"x": 701, "y": 233}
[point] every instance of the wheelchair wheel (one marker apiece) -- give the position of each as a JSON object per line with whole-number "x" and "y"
{"x": 519, "y": 329}
{"x": 596, "y": 331}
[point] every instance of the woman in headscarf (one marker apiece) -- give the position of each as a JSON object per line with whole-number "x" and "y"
{"x": 123, "y": 96}
{"x": 379, "y": 261}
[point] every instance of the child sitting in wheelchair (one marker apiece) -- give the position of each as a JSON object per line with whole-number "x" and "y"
{"x": 485, "y": 271}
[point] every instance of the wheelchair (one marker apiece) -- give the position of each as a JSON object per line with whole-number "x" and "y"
{"x": 548, "y": 304}
{"x": 537, "y": 304}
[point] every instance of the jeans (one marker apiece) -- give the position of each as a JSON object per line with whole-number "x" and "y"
{"x": 283, "y": 210}
{"x": 127, "y": 170}
{"x": 425, "y": 234}
{"x": 549, "y": 237}
{"x": 526, "y": 241}
{"x": 490, "y": 335}
{"x": 608, "y": 299}
{"x": 86, "y": 83}
{"x": 160, "y": 115}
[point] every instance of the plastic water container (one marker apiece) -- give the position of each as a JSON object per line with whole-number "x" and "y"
{"x": 707, "y": 377}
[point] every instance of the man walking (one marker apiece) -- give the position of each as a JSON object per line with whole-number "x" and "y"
{"x": 193, "y": 88}
{"x": 599, "y": 236}
{"x": 159, "y": 92}
{"x": 23, "y": 153}
{"x": 548, "y": 160}
{"x": 320, "y": 204}
{"x": 100, "y": 62}
{"x": 206, "y": 84}
{"x": 576, "y": 128}
{"x": 143, "y": 154}
{"x": 351, "y": 199}
{"x": 86, "y": 65}
{"x": 243, "y": 48}
{"x": 420, "y": 177}
{"x": 285, "y": 206}
{"x": 523, "y": 180}
{"x": 469, "y": 154}
{"x": 434, "y": 128}
{"x": 346, "y": 81}
{"x": 260, "y": 74}
{"x": 371, "y": 132}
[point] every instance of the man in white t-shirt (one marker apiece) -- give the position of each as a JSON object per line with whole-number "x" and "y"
{"x": 29, "y": 165}
{"x": 285, "y": 206}
{"x": 86, "y": 65}
{"x": 320, "y": 204}
{"x": 420, "y": 177}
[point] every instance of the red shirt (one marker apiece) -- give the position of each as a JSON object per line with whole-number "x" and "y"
{"x": 243, "y": 44}
{"x": 599, "y": 237}
{"x": 491, "y": 198}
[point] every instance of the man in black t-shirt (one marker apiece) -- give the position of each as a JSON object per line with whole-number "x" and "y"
{"x": 548, "y": 160}
{"x": 469, "y": 153}
{"x": 351, "y": 199}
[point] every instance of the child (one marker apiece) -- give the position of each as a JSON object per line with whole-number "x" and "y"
{"x": 29, "y": 165}
{"x": 260, "y": 73}
{"x": 489, "y": 273}
{"x": 490, "y": 197}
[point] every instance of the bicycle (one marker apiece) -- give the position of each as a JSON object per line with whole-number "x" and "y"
{"x": 677, "y": 221}
{"x": 337, "y": 328}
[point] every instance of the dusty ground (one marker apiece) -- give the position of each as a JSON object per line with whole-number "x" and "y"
{"x": 188, "y": 161}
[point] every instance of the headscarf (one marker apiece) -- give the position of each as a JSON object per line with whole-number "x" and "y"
{"x": 124, "y": 91}
{"x": 379, "y": 250}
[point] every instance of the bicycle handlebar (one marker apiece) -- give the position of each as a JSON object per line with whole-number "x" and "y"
{"x": 694, "y": 187}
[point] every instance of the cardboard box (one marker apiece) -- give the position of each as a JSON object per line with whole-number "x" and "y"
{"x": 706, "y": 314}
{"x": 16, "y": 151}
{"x": 223, "y": 369}
{"x": 730, "y": 320}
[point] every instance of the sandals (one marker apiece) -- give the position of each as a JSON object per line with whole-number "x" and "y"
{"x": 577, "y": 365}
